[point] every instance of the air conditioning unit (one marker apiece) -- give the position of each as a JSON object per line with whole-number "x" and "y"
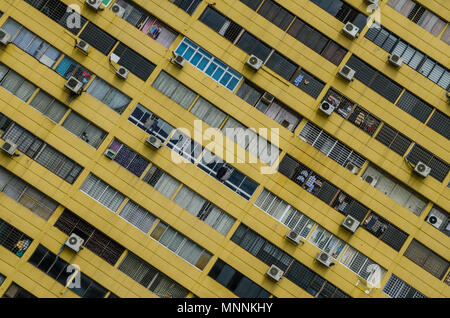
{"x": 254, "y": 62}
{"x": 396, "y": 60}
{"x": 93, "y": 4}
{"x": 122, "y": 72}
{"x": 326, "y": 108}
{"x": 422, "y": 169}
{"x": 9, "y": 147}
{"x": 178, "y": 60}
{"x": 285, "y": 123}
{"x": 120, "y": 11}
{"x": 435, "y": 220}
{"x": 350, "y": 223}
{"x": 83, "y": 46}
{"x": 74, "y": 85}
{"x": 74, "y": 242}
{"x": 111, "y": 154}
{"x": 347, "y": 73}
{"x": 372, "y": 2}
{"x": 447, "y": 94}
{"x": 350, "y": 30}
{"x": 325, "y": 259}
{"x": 371, "y": 180}
{"x": 351, "y": 166}
{"x": 267, "y": 98}
{"x": 5, "y": 37}
{"x": 293, "y": 237}
{"x": 154, "y": 141}
{"x": 275, "y": 273}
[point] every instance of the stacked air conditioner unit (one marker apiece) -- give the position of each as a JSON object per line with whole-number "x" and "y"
{"x": 74, "y": 85}
{"x": 325, "y": 259}
{"x": 350, "y": 223}
{"x": 293, "y": 237}
{"x": 74, "y": 242}
{"x": 5, "y": 37}
{"x": 94, "y": 4}
{"x": 83, "y": 46}
{"x": 254, "y": 62}
{"x": 371, "y": 180}
{"x": 422, "y": 169}
{"x": 435, "y": 219}
{"x": 117, "y": 9}
{"x": 267, "y": 98}
{"x": 178, "y": 60}
{"x": 351, "y": 166}
{"x": 275, "y": 273}
{"x": 347, "y": 73}
{"x": 326, "y": 108}
{"x": 111, "y": 154}
{"x": 350, "y": 30}
{"x": 395, "y": 60}
{"x": 122, "y": 72}
{"x": 154, "y": 141}
{"x": 9, "y": 147}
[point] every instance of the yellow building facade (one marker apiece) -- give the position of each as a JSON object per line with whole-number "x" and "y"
{"x": 153, "y": 227}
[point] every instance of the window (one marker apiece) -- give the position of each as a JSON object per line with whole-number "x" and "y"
{"x": 98, "y": 38}
{"x": 60, "y": 12}
{"x": 102, "y": 192}
{"x": 284, "y": 213}
{"x": 185, "y": 146}
{"x": 330, "y": 146}
{"x": 13, "y": 239}
{"x": 208, "y": 64}
{"x": 414, "y": 106}
{"x": 149, "y": 122}
{"x": 375, "y": 80}
{"x": 352, "y": 112}
{"x": 68, "y": 67}
{"x": 419, "y": 15}
{"x": 94, "y": 240}
{"x": 36, "y": 149}
{"x": 440, "y": 123}
{"x": 232, "y": 178}
{"x": 187, "y": 5}
{"x": 395, "y": 190}
{"x": 385, "y": 231}
{"x": 281, "y": 65}
{"x": 127, "y": 158}
{"x": 57, "y": 268}
{"x": 137, "y": 216}
{"x": 439, "y": 168}
{"x": 316, "y": 41}
{"x": 362, "y": 265}
{"x": 181, "y": 245}
{"x": 174, "y": 89}
{"x": 2, "y": 279}
{"x": 296, "y": 272}
{"x": 327, "y": 242}
{"x": 163, "y": 182}
{"x": 15, "y": 291}
{"x": 208, "y": 113}
{"x": 16, "y": 84}
{"x": 25, "y": 194}
{"x": 147, "y": 23}
{"x": 84, "y": 129}
{"x": 204, "y": 210}
{"x": 275, "y": 110}
{"x": 307, "y": 82}
{"x": 253, "y": 46}
{"x": 440, "y": 219}
{"x": 31, "y": 43}
{"x": 49, "y": 106}
{"x": 393, "y": 139}
{"x": 219, "y": 23}
{"x": 108, "y": 95}
{"x": 446, "y": 35}
{"x": 151, "y": 278}
{"x": 396, "y": 288}
{"x": 236, "y": 282}
{"x": 133, "y": 61}
{"x": 427, "y": 259}
{"x": 276, "y": 14}
{"x": 343, "y": 12}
